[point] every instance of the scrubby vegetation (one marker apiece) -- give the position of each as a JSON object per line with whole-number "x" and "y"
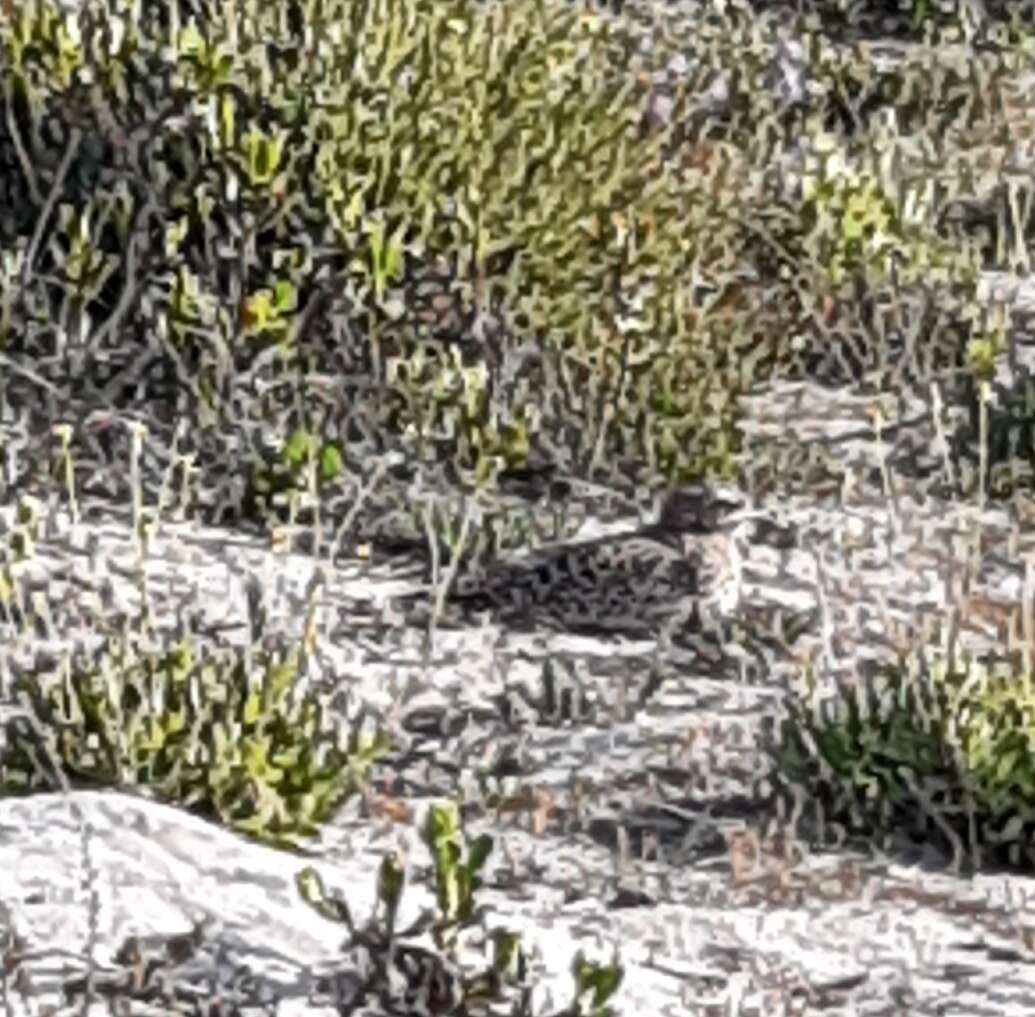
{"x": 217, "y": 732}
{"x": 367, "y": 261}
{"x": 421, "y": 234}
{"x": 456, "y": 882}
{"x": 921, "y": 754}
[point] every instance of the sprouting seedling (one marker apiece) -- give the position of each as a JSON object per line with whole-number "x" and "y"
{"x": 600, "y": 981}
{"x": 456, "y": 880}
{"x": 63, "y": 432}
{"x": 26, "y": 531}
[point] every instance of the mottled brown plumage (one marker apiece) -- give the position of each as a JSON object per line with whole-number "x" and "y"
{"x": 638, "y": 583}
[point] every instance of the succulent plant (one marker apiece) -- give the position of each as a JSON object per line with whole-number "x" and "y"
{"x": 429, "y": 979}
{"x": 936, "y": 752}
{"x": 225, "y": 733}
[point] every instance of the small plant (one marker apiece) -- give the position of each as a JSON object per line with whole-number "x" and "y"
{"x": 302, "y": 464}
{"x": 456, "y": 880}
{"x": 601, "y": 980}
{"x": 435, "y": 976}
{"x": 266, "y": 314}
{"x": 18, "y": 545}
{"x": 853, "y": 224}
{"x": 994, "y": 722}
{"x": 223, "y": 733}
{"x": 431, "y": 979}
{"x": 441, "y": 402}
{"x": 916, "y": 743}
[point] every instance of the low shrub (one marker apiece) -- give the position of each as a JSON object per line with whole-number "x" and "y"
{"x": 940, "y": 753}
{"x": 226, "y": 733}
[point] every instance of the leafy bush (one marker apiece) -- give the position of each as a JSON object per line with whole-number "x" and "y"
{"x": 227, "y": 735}
{"x": 399, "y": 197}
{"x": 944, "y": 755}
{"x": 494, "y": 139}
{"x": 452, "y": 231}
{"x": 303, "y": 464}
{"x": 433, "y": 981}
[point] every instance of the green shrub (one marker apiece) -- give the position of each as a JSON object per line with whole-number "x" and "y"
{"x": 308, "y": 199}
{"x": 228, "y": 735}
{"x": 457, "y": 879}
{"x": 946, "y": 756}
{"x": 301, "y": 465}
{"x": 329, "y": 204}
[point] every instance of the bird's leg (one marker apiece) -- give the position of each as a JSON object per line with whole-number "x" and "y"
{"x": 664, "y": 642}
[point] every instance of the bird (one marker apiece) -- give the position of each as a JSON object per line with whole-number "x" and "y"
{"x": 681, "y": 570}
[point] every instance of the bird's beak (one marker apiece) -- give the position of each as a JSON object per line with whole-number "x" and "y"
{"x": 743, "y": 516}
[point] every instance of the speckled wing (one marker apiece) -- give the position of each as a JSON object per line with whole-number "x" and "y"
{"x": 630, "y": 585}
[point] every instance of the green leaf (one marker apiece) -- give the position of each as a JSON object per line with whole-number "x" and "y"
{"x": 390, "y": 881}
{"x": 285, "y": 296}
{"x": 296, "y": 450}
{"x": 331, "y": 463}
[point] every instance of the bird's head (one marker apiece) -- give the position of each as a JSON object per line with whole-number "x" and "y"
{"x": 704, "y": 510}
{"x": 713, "y": 528}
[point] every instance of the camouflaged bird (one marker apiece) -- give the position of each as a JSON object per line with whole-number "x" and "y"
{"x": 638, "y": 583}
